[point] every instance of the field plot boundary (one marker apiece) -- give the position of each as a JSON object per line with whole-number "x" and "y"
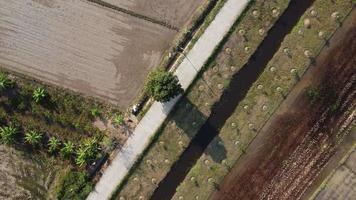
{"x": 134, "y": 14}
{"x": 158, "y": 112}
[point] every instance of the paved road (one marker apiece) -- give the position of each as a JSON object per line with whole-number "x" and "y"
{"x": 158, "y": 112}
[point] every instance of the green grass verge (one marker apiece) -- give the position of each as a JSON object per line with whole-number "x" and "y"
{"x": 262, "y": 99}
{"x": 193, "y": 110}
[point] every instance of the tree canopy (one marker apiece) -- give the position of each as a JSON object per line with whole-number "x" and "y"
{"x": 162, "y": 86}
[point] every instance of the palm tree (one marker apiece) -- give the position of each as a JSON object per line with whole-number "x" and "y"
{"x": 39, "y": 94}
{"x": 68, "y": 149}
{"x": 8, "y": 134}
{"x": 33, "y": 137}
{"x": 5, "y": 82}
{"x": 53, "y": 144}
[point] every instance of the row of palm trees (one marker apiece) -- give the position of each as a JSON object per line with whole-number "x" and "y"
{"x": 84, "y": 153}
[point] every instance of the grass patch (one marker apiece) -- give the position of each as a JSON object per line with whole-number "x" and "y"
{"x": 193, "y": 110}
{"x": 263, "y": 98}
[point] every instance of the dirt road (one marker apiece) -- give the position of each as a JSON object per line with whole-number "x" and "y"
{"x": 299, "y": 140}
{"x": 80, "y": 45}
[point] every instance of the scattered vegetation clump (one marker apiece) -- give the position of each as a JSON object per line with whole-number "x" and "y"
{"x": 162, "y": 86}
{"x": 313, "y": 94}
{"x": 118, "y": 119}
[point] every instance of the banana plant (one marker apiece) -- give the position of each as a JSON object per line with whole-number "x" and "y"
{"x": 39, "y": 94}
{"x": 8, "y": 134}
{"x": 33, "y": 138}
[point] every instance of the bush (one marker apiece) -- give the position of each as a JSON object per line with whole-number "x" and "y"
{"x": 163, "y": 86}
{"x": 74, "y": 186}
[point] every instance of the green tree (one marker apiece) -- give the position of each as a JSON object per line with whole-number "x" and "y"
{"x": 5, "y": 82}
{"x": 68, "y": 149}
{"x": 8, "y": 134}
{"x": 53, "y": 144}
{"x": 33, "y": 137}
{"x": 163, "y": 86}
{"x": 39, "y": 94}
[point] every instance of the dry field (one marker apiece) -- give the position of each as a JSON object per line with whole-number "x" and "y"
{"x": 295, "y": 145}
{"x": 173, "y": 12}
{"x": 80, "y": 45}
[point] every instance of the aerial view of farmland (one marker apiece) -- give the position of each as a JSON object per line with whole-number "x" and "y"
{"x": 177, "y": 99}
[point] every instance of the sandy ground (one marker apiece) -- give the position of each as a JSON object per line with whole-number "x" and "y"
{"x": 298, "y": 141}
{"x": 81, "y": 46}
{"x": 172, "y": 12}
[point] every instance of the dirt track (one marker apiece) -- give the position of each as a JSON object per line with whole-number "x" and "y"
{"x": 81, "y": 46}
{"x": 299, "y": 140}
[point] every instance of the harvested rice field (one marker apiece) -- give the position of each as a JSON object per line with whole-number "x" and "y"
{"x": 81, "y": 45}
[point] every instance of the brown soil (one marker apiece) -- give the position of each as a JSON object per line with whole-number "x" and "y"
{"x": 299, "y": 140}
{"x": 173, "y": 12}
{"x": 81, "y": 46}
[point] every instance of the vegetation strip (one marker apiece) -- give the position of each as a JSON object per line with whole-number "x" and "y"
{"x": 179, "y": 128}
{"x": 129, "y": 12}
{"x": 285, "y": 69}
{"x": 53, "y": 125}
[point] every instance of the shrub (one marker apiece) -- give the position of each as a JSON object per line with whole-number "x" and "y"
{"x": 163, "y": 86}
{"x": 39, "y": 94}
{"x": 74, "y": 186}
{"x": 33, "y": 137}
{"x": 8, "y": 134}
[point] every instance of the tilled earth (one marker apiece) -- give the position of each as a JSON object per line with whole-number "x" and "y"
{"x": 298, "y": 142}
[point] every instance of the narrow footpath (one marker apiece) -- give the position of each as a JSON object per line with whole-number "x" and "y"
{"x": 158, "y": 112}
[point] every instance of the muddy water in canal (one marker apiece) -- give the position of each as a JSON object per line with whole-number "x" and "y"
{"x": 80, "y": 45}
